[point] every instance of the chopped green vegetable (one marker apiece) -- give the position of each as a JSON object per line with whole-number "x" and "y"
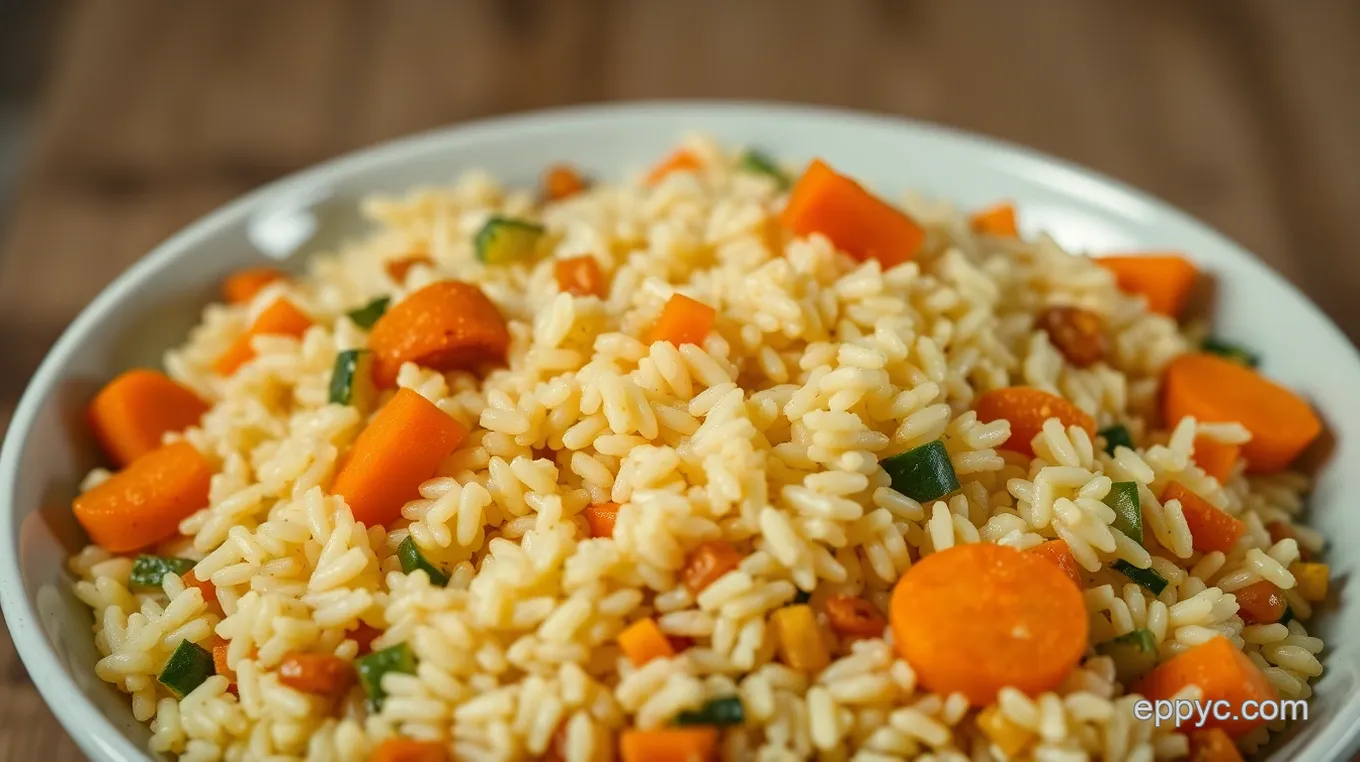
{"x": 148, "y": 571}
{"x": 1128, "y": 511}
{"x": 922, "y": 473}
{"x": 505, "y": 239}
{"x": 352, "y": 379}
{"x": 367, "y": 315}
{"x": 1146, "y": 578}
{"x": 372, "y": 667}
{"x": 188, "y": 667}
{"x": 1230, "y": 351}
{"x": 1116, "y": 436}
{"x": 1134, "y": 654}
{"x": 802, "y": 596}
{"x": 720, "y": 712}
{"x": 412, "y": 559}
{"x": 1287, "y": 616}
{"x": 760, "y": 164}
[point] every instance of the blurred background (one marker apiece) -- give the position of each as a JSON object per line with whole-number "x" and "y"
{"x": 122, "y": 121}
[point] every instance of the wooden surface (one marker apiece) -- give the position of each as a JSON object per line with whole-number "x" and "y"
{"x": 1246, "y": 114}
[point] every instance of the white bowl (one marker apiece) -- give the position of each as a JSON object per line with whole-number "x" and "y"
{"x": 153, "y": 304}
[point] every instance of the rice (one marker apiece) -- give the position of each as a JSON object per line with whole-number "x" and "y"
{"x": 767, "y": 436}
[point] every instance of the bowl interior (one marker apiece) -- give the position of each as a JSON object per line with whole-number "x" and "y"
{"x": 154, "y": 304}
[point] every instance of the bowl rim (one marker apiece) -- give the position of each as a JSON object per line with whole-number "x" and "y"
{"x": 97, "y": 735}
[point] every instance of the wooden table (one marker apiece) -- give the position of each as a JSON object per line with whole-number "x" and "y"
{"x": 1243, "y": 113}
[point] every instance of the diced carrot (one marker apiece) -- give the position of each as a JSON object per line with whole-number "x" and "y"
{"x": 580, "y": 276}
{"x": 363, "y": 636}
{"x": 242, "y": 286}
{"x": 682, "y": 321}
{"x": 144, "y": 503}
{"x": 400, "y": 448}
{"x": 410, "y": 750}
{"x": 449, "y": 325}
{"x": 1215, "y": 457}
{"x": 134, "y": 411}
{"x": 693, "y": 744}
{"x": 280, "y": 318}
{"x": 1260, "y": 603}
{"x": 397, "y": 268}
{"x": 855, "y": 220}
{"x": 680, "y": 161}
{"x": 1059, "y": 553}
{"x": 562, "y": 181}
{"x": 798, "y": 638}
{"x": 1009, "y": 736}
{"x": 1310, "y": 580}
{"x": 680, "y": 643}
{"x": 601, "y": 518}
{"x": 206, "y": 587}
{"x": 642, "y": 641}
{"x": 1164, "y": 280}
{"x": 1027, "y": 409}
{"x": 997, "y": 220}
{"x": 1222, "y": 672}
{"x": 1213, "y": 745}
{"x": 707, "y": 562}
{"x": 976, "y": 618}
{"x": 322, "y": 674}
{"x": 219, "y": 654}
{"x": 1213, "y": 389}
{"x": 849, "y": 615}
{"x": 1210, "y": 528}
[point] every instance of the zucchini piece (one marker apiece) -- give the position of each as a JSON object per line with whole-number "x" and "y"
{"x": 922, "y": 473}
{"x": 1230, "y": 351}
{"x": 1128, "y": 510}
{"x": 187, "y": 668}
{"x": 352, "y": 379}
{"x": 506, "y": 239}
{"x": 1116, "y": 436}
{"x": 719, "y": 712}
{"x": 367, "y": 315}
{"x": 1134, "y": 654}
{"x": 148, "y": 571}
{"x": 802, "y": 596}
{"x": 1288, "y": 615}
{"x": 755, "y": 162}
{"x": 1145, "y": 578}
{"x": 371, "y": 668}
{"x": 412, "y": 559}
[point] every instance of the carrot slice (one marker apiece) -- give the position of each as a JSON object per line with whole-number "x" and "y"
{"x": 322, "y": 674}
{"x": 280, "y": 318}
{"x": 1222, "y": 672}
{"x": 1215, "y": 457}
{"x": 855, "y": 220}
{"x": 397, "y": 268}
{"x": 680, "y": 161}
{"x": 682, "y": 321}
{"x": 1210, "y": 528}
{"x": 219, "y": 654}
{"x": 601, "y": 518}
{"x": 1165, "y": 280}
{"x": 998, "y": 220}
{"x": 696, "y": 744}
{"x": 708, "y": 562}
{"x": 449, "y": 325}
{"x": 849, "y": 615}
{"x": 1217, "y": 390}
{"x": 1213, "y": 745}
{"x": 144, "y": 503}
{"x": 1260, "y": 603}
{"x": 642, "y": 641}
{"x": 580, "y": 276}
{"x": 400, "y": 448}
{"x": 1027, "y": 409}
{"x": 206, "y": 587}
{"x": 240, "y": 287}
{"x": 562, "y": 181}
{"x": 1057, "y": 552}
{"x": 363, "y": 636}
{"x": 410, "y": 750}
{"x": 134, "y": 411}
{"x": 976, "y": 618}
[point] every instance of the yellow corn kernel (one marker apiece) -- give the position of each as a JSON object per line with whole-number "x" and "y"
{"x": 1010, "y": 738}
{"x": 800, "y": 639}
{"x": 1310, "y": 580}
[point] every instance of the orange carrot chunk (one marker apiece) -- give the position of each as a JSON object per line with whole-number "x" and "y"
{"x": 363, "y": 636}
{"x": 696, "y": 744}
{"x": 1216, "y": 390}
{"x": 134, "y": 411}
{"x": 219, "y": 654}
{"x": 562, "y": 181}
{"x": 997, "y": 220}
{"x": 1215, "y": 457}
{"x": 1210, "y": 528}
{"x": 1057, "y": 552}
{"x": 1027, "y": 409}
{"x": 280, "y": 318}
{"x": 580, "y": 276}
{"x": 240, "y": 287}
{"x": 601, "y": 518}
{"x": 397, "y": 268}
{"x": 642, "y": 641}
{"x": 144, "y": 503}
{"x": 976, "y": 618}
{"x": 206, "y": 587}
{"x": 708, "y": 562}
{"x": 682, "y": 321}
{"x": 1222, "y": 672}
{"x": 1260, "y": 603}
{"x": 400, "y": 448}
{"x": 449, "y": 325}
{"x": 680, "y": 161}
{"x": 855, "y": 220}
{"x": 1213, "y": 745}
{"x": 849, "y": 615}
{"x": 321, "y": 674}
{"x": 1165, "y": 280}
{"x": 410, "y": 750}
